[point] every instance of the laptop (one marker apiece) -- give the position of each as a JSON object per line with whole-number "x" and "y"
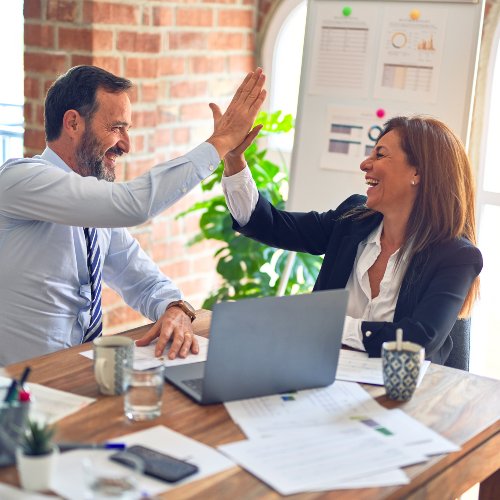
{"x": 265, "y": 346}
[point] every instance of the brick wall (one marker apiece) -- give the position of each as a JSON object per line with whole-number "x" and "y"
{"x": 181, "y": 55}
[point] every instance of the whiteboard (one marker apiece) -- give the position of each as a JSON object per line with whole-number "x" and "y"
{"x": 366, "y": 64}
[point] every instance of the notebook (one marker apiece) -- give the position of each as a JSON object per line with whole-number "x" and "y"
{"x": 267, "y": 346}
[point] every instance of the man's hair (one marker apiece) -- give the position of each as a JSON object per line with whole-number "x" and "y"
{"x": 77, "y": 90}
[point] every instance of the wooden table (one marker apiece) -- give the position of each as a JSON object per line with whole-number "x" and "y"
{"x": 463, "y": 407}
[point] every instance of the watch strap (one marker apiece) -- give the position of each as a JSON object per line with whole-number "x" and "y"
{"x": 185, "y": 306}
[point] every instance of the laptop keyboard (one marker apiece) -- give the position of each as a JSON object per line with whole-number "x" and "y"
{"x": 195, "y": 384}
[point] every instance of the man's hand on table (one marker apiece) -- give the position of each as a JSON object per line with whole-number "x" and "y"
{"x": 175, "y": 324}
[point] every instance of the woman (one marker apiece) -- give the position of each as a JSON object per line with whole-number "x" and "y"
{"x": 405, "y": 251}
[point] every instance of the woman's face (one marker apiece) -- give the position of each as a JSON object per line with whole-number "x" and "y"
{"x": 392, "y": 181}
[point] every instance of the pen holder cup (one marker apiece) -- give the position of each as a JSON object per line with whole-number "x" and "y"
{"x": 401, "y": 369}
{"x": 13, "y": 419}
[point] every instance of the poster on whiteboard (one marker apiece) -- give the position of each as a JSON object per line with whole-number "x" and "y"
{"x": 350, "y": 135}
{"x": 410, "y": 54}
{"x": 341, "y": 52}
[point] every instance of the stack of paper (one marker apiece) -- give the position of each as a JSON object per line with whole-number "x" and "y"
{"x": 330, "y": 438}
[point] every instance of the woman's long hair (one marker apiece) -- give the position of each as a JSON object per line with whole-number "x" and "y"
{"x": 444, "y": 207}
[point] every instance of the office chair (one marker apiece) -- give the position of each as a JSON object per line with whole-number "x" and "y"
{"x": 460, "y": 352}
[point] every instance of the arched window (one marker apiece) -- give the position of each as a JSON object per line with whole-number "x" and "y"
{"x": 282, "y": 58}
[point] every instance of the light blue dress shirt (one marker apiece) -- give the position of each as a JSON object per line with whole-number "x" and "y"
{"x": 44, "y": 279}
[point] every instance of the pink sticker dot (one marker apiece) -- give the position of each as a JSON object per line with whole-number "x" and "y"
{"x": 380, "y": 113}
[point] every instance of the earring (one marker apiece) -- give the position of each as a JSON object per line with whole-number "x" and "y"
{"x": 412, "y": 183}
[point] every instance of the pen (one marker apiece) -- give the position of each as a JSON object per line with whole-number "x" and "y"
{"x": 11, "y": 392}
{"x": 91, "y": 446}
{"x": 24, "y": 376}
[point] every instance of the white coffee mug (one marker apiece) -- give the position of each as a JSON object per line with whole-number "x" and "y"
{"x": 112, "y": 355}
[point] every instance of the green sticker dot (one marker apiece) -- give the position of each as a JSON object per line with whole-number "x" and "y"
{"x": 347, "y": 11}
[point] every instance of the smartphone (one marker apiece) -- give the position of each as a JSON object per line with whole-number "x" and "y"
{"x": 157, "y": 464}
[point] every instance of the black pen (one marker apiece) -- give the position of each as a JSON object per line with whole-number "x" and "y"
{"x": 24, "y": 376}
{"x": 91, "y": 446}
{"x": 11, "y": 392}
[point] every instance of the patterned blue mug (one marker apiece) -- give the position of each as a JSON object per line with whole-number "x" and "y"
{"x": 401, "y": 369}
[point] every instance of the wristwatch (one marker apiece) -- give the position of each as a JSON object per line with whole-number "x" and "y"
{"x": 185, "y": 306}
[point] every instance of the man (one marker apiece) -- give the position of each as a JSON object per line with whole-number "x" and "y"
{"x": 52, "y": 259}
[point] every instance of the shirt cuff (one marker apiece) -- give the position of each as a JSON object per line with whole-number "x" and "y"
{"x": 241, "y": 195}
{"x": 352, "y": 335}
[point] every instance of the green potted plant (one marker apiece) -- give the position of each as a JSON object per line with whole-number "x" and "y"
{"x": 248, "y": 268}
{"x": 36, "y": 456}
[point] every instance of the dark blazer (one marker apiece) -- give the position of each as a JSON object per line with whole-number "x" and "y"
{"x": 433, "y": 289}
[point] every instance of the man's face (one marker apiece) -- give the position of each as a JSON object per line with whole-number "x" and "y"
{"x": 105, "y": 137}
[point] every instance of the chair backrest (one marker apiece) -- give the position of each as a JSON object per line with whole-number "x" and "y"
{"x": 460, "y": 352}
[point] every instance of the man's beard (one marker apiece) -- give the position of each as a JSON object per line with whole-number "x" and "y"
{"x": 90, "y": 158}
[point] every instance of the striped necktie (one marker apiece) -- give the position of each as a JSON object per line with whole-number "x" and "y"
{"x": 93, "y": 262}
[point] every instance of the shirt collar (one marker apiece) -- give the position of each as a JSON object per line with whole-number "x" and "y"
{"x": 55, "y": 159}
{"x": 374, "y": 236}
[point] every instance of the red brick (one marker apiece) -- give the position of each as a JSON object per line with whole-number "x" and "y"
{"x": 195, "y": 111}
{"x": 187, "y": 40}
{"x": 188, "y": 89}
{"x": 162, "y": 16}
{"x": 169, "y": 250}
{"x": 144, "y": 237}
{"x": 29, "y": 112}
{"x": 171, "y": 66}
{"x": 139, "y": 42}
{"x": 32, "y": 9}
{"x": 141, "y": 68}
{"x": 85, "y": 39}
{"x": 147, "y": 15}
{"x": 31, "y": 87}
{"x": 192, "y": 286}
{"x": 167, "y": 114}
{"x": 225, "y": 41}
{"x": 37, "y": 35}
{"x": 108, "y": 63}
{"x": 62, "y": 10}
{"x": 204, "y": 265}
{"x": 110, "y": 13}
{"x": 110, "y": 297}
{"x": 204, "y": 64}
{"x": 143, "y": 119}
{"x": 120, "y": 315}
{"x": 251, "y": 44}
{"x": 138, "y": 142}
{"x": 39, "y": 114}
{"x": 241, "y": 63}
{"x": 149, "y": 91}
{"x": 176, "y": 270}
{"x": 236, "y": 18}
{"x": 45, "y": 63}
{"x": 137, "y": 168}
{"x": 162, "y": 137}
{"x": 34, "y": 139}
{"x": 193, "y": 17}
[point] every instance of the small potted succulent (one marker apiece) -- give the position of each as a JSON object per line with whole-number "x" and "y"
{"x": 36, "y": 456}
